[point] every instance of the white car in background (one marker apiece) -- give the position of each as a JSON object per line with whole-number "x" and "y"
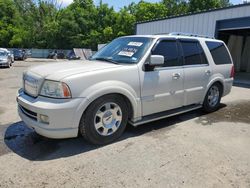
{"x": 6, "y": 59}
{"x": 135, "y": 79}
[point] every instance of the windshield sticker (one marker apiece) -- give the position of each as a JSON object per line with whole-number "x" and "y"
{"x": 129, "y": 52}
{"x": 126, "y": 53}
{"x": 138, "y": 44}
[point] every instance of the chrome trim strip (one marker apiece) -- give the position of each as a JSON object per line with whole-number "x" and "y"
{"x": 180, "y": 67}
{"x": 199, "y": 65}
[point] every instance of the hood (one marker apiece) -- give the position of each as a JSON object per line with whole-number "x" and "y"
{"x": 58, "y": 71}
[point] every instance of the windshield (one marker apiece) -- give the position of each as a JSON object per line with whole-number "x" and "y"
{"x": 17, "y": 52}
{"x": 3, "y": 53}
{"x": 124, "y": 50}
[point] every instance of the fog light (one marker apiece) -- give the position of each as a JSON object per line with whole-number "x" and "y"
{"x": 44, "y": 119}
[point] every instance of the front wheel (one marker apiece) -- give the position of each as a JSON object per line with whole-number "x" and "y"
{"x": 104, "y": 120}
{"x": 213, "y": 97}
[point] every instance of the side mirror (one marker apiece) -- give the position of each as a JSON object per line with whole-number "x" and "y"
{"x": 156, "y": 60}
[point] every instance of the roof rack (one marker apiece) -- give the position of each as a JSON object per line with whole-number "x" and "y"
{"x": 189, "y": 35}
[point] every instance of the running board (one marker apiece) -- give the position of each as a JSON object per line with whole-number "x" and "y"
{"x": 165, "y": 114}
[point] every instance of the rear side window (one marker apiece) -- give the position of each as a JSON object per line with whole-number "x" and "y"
{"x": 219, "y": 53}
{"x": 169, "y": 50}
{"x": 193, "y": 53}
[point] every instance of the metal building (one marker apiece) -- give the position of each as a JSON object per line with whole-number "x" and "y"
{"x": 230, "y": 24}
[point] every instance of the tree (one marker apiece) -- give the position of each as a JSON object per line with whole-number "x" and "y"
{"x": 147, "y": 11}
{"x": 176, "y": 7}
{"x": 45, "y": 24}
{"x": 198, "y": 5}
{"x": 125, "y": 23}
{"x": 11, "y": 33}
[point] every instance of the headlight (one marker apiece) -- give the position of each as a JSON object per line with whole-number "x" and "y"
{"x": 55, "y": 89}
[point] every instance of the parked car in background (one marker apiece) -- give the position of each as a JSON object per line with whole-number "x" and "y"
{"x": 5, "y": 58}
{"x": 19, "y": 54}
{"x": 72, "y": 56}
{"x": 12, "y": 56}
{"x": 28, "y": 53}
{"x": 10, "y": 53}
{"x": 56, "y": 55}
{"x": 136, "y": 79}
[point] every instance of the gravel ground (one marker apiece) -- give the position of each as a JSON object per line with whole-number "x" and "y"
{"x": 189, "y": 150}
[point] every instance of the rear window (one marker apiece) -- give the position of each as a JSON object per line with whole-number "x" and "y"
{"x": 219, "y": 53}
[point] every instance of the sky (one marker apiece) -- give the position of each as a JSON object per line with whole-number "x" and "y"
{"x": 117, "y": 4}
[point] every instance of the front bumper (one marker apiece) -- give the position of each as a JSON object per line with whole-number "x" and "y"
{"x": 64, "y": 115}
{"x": 3, "y": 64}
{"x": 18, "y": 58}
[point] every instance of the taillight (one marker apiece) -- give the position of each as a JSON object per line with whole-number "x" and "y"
{"x": 232, "y": 72}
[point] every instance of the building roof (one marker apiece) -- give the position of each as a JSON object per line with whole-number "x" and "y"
{"x": 193, "y": 13}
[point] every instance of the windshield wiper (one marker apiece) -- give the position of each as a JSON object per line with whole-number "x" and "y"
{"x": 105, "y": 59}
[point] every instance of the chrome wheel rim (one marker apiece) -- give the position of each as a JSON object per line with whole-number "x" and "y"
{"x": 108, "y": 119}
{"x": 213, "y": 96}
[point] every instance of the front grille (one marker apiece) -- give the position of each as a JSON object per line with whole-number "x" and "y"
{"x": 29, "y": 113}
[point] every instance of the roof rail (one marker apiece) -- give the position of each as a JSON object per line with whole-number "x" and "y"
{"x": 189, "y": 35}
{"x": 161, "y": 34}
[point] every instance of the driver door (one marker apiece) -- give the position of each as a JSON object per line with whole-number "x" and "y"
{"x": 162, "y": 87}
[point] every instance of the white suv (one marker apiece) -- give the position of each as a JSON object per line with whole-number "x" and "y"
{"x": 135, "y": 79}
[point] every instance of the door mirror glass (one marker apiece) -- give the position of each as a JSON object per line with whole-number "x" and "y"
{"x": 156, "y": 60}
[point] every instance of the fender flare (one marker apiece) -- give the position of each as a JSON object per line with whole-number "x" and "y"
{"x": 211, "y": 82}
{"x": 110, "y": 87}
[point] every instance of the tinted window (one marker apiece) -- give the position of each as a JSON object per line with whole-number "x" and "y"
{"x": 169, "y": 50}
{"x": 193, "y": 53}
{"x": 219, "y": 53}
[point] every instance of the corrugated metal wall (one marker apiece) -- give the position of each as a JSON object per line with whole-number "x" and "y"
{"x": 199, "y": 23}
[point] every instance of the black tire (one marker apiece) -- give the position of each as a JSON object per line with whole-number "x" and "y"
{"x": 87, "y": 127}
{"x": 207, "y": 107}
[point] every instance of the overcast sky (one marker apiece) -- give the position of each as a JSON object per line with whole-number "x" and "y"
{"x": 117, "y": 4}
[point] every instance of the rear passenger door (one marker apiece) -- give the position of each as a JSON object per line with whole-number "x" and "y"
{"x": 197, "y": 72}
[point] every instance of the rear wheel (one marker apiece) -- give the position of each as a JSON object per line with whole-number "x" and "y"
{"x": 104, "y": 120}
{"x": 213, "y": 98}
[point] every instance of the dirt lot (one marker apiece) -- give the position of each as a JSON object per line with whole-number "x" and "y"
{"x": 189, "y": 150}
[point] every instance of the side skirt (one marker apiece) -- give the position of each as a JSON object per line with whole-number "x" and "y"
{"x": 165, "y": 114}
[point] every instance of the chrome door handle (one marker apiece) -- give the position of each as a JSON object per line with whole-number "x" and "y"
{"x": 208, "y": 72}
{"x": 176, "y": 76}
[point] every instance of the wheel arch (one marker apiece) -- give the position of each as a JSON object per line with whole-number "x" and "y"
{"x": 213, "y": 81}
{"x": 115, "y": 88}
{"x": 124, "y": 97}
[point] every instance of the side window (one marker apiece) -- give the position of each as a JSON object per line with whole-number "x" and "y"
{"x": 193, "y": 53}
{"x": 219, "y": 53}
{"x": 169, "y": 50}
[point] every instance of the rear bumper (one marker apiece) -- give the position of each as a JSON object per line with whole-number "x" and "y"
{"x": 63, "y": 115}
{"x": 228, "y": 83}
